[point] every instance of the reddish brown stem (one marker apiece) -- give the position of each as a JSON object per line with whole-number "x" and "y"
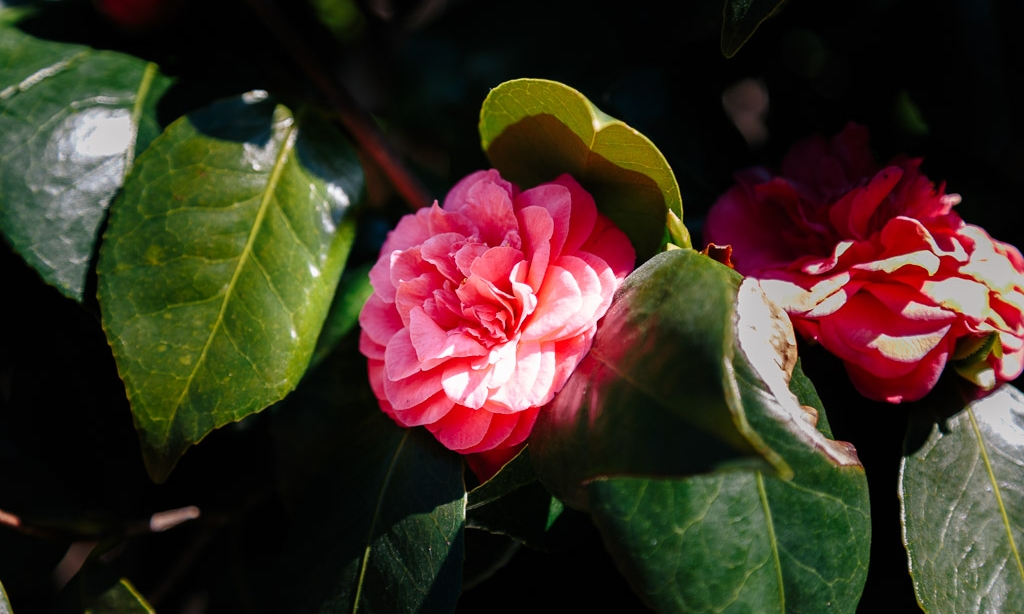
{"x": 356, "y": 121}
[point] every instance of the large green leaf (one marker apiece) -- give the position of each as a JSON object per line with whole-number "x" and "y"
{"x": 743, "y": 541}
{"x": 219, "y": 264}
{"x": 685, "y": 364}
{"x": 381, "y": 526}
{"x": 71, "y": 120}
{"x": 741, "y": 18}
{"x": 534, "y": 130}
{"x": 962, "y": 498}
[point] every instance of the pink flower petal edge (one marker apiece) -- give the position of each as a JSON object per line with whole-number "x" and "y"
{"x": 873, "y": 263}
{"x": 482, "y": 309}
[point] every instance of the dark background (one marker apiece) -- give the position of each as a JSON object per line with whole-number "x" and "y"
{"x": 933, "y": 79}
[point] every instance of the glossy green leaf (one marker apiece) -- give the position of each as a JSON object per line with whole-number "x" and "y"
{"x": 741, "y": 18}
{"x": 534, "y": 130}
{"x": 963, "y": 509}
{"x": 516, "y": 504}
{"x": 743, "y": 541}
{"x": 71, "y": 121}
{"x": 685, "y": 365}
{"x": 219, "y": 264}
{"x": 5, "y": 604}
{"x": 381, "y": 527}
{"x": 343, "y": 317}
{"x": 121, "y": 598}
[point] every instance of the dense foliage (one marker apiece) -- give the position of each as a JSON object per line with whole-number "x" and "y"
{"x": 191, "y": 200}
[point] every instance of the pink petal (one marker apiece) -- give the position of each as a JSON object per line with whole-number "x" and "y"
{"x": 400, "y": 360}
{"x": 612, "y": 247}
{"x": 584, "y": 215}
{"x": 556, "y": 202}
{"x": 379, "y": 320}
{"x": 465, "y": 385}
{"x": 432, "y": 342}
{"x": 459, "y": 193}
{"x": 413, "y": 390}
{"x": 427, "y": 412}
{"x": 537, "y": 232}
{"x": 462, "y": 428}
{"x": 558, "y": 299}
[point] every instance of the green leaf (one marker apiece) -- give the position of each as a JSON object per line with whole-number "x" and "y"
{"x": 516, "y": 504}
{"x": 71, "y": 120}
{"x": 741, "y": 18}
{"x": 219, "y": 264}
{"x": 343, "y": 317}
{"x": 381, "y": 529}
{"x": 743, "y": 541}
{"x": 534, "y": 130}
{"x": 5, "y": 604}
{"x": 121, "y": 598}
{"x": 685, "y": 365}
{"x": 963, "y": 509}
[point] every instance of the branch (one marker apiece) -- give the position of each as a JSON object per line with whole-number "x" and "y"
{"x": 356, "y": 121}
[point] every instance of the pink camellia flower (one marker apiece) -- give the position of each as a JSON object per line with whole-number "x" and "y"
{"x": 482, "y": 308}
{"x": 874, "y": 264}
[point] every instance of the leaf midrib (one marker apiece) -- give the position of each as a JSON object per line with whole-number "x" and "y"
{"x": 287, "y": 144}
{"x": 772, "y": 538}
{"x": 996, "y": 491}
{"x": 376, "y": 516}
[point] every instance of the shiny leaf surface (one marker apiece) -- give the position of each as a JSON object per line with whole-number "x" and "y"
{"x": 381, "y": 527}
{"x": 743, "y": 541}
{"x": 121, "y": 598}
{"x": 5, "y": 604}
{"x": 71, "y": 120}
{"x": 534, "y": 130}
{"x": 963, "y": 509}
{"x": 741, "y": 18}
{"x": 685, "y": 365}
{"x": 219, "y": 264}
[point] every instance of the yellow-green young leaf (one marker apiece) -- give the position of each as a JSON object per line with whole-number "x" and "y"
{"x": 963, "y": 509}
{"x": 71, "y": 120}
{"x": 741, "y": 18}
{"x": 534, "y": 130}
{"x": 218, "y": 267}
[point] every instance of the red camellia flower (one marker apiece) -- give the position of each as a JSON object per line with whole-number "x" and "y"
{"x": 482, "y": 309}
{"x": 874, "y": 264}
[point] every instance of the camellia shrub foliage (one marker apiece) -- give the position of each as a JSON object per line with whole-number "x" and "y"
{"x": 386, "y": 306}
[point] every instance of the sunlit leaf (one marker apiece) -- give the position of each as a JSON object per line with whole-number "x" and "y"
{"x": 743, "y": 541}
{"x": 381, "y": 526}
{"x": 534, "y": 130}
{"x": 963, "y": 509}
{"x": 5, "y": 604}
{"x": 685, "y": 365}
{"x": 219, "y": 264}
{"x": 121, "y": 598}
{"x": 741, "y": 18}
{"x": 71, "y": 120}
